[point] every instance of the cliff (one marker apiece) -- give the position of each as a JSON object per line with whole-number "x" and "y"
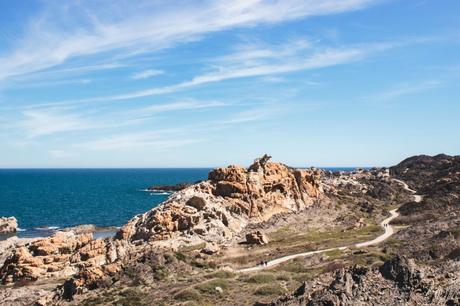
{"x": 217, "y": 209}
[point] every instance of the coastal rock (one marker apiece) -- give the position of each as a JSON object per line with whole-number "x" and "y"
{"x": 60, "y": 256}
{"x": 232, "y": 197}
{"x": 256, "y": 237}
{"x": 8, "y": 225}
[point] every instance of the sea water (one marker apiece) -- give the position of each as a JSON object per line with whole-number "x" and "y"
{"x": 47, "y": 199}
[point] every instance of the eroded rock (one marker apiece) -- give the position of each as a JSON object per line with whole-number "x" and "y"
{"x": 8, "y": 225}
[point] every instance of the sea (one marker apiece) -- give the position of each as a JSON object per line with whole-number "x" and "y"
{"x": 45, "y": 200}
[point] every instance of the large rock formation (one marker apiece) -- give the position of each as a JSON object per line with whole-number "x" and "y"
{"x": 8, "y": 225}
{"x": 216, "y": 209}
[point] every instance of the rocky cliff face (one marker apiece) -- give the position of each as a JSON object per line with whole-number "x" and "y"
{"x": 215, "y": 210}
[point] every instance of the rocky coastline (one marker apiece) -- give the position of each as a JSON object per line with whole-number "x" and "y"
{"x": 240, "y": 216}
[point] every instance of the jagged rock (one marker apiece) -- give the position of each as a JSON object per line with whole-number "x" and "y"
{"x": 398, "y": 281}
{"x": 196, "y": 202}
{"x": 403, "y": 271}
{"x": 82, "y": 229}
{"x": 60, "y": 256}
{"x": 256, "y": 237}
{"x": 8, "y": 225}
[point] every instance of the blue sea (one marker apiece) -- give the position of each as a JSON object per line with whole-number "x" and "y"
{"x": 43, "y": 199}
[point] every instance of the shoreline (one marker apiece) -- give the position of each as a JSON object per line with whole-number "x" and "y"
{"x": 43, "y": 232}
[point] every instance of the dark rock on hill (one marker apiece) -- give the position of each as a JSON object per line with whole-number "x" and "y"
{"x": 398, "y": 281}
{"x": 170, "y": 188}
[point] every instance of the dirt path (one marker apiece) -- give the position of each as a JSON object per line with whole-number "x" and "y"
{"x": 385, "y": 224}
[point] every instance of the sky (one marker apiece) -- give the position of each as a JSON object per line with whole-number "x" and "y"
{"x": 210, "y": 83}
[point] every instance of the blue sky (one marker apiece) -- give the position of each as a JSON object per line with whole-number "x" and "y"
{"x": 209, "y": 83}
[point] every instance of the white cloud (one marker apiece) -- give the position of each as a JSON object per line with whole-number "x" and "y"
{"x": 46, "y": 122}
{"x": 299, "y": 62}
{"x": 79, "y": 29}
{"x": 146, "y": 74}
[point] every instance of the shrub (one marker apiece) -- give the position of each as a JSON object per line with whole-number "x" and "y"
{"x": 262, "y": 278}
{"x": 180, "y": 256}
{"x": 273, "y": 289}
{"x": 188, "y": 294}
{"x": 210, "y": 286}
{"x": 221, "y": 274}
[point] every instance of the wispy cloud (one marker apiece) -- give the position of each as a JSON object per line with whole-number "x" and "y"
{"x": 53, "y": 120}
{"x": 404, "y": 90}
{"x": 41, "y": 123}
{"x": 146, "y": 74}
{"x": 229, "y": 70}
{"x": 189, "y": 104}
{"x": 53, "y": 37}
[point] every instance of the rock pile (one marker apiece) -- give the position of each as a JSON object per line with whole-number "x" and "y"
{"x": 59, "y": 256}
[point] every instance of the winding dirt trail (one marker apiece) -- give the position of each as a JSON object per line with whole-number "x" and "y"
{"x": 385, "y": 224}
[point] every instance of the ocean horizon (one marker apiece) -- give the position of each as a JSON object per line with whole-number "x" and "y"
{"x": 47, "y": 199}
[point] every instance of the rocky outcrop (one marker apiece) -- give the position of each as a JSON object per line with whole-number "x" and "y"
{"x": 398, "y": 281}
{"x": 8, "y": 225}
{"x": 170, "y": 188}
{"x": 256, "y": 237}
{"x": 232, "y": 197}
{"x": 59, "y": 256}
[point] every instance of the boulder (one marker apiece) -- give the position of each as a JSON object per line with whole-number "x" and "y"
{"x": 196, "y": 202}
{"x": 256, "y": 237}
{"x": 8, "y": 225}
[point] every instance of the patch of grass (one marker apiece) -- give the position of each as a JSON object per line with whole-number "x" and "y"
{"x": 209, "y": 287}
{"x": 194, "y": 247}
{"x": 180, "y": 256}
{"x": 283, "y": 277}
{"x": 273, "y": 289}
{"x": 188, "y": 294}
{"x": 456, "y": 233}
{"x": 132, "y": 297}
{"x": 334, "y": 253}
{"x": 160, "y": 273}
{"x": 262, "y": 278}
{"x": 203, "y": 264}
{"x": 221, "y": 274}
{"x": 294, "y": 266}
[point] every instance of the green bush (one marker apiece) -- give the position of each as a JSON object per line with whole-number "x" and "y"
{"x": 221, "y": 274}
{"x": 210, "y": 286}
{"x": 262, "y": 278}
{"x": 273, "y": 289}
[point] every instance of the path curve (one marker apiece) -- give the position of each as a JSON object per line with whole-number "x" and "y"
{"x": 385, "y": 224}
